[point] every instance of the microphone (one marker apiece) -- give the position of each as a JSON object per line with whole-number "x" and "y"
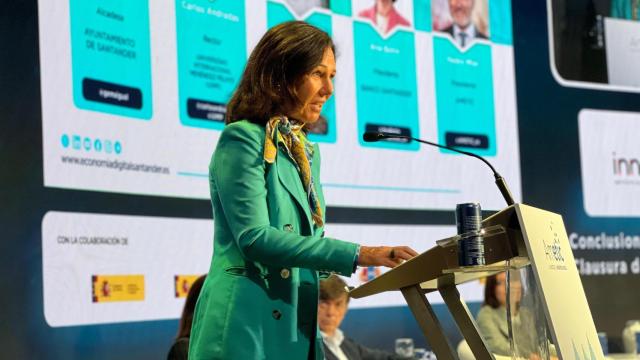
{"x": 500, "y": 182}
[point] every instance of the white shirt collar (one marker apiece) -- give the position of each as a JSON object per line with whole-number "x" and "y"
{"x": 382, "y": 22}
{"x": 470, "y": 32}
{"x": 337, "y": 338}
{"x": 334, "y": 342}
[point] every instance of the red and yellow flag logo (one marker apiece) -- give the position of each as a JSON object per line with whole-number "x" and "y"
{"x": 183, "y": 283}
{"x": 114, "y": 288}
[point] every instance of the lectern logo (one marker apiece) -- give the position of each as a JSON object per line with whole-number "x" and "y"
{"x": 553, "y": 250}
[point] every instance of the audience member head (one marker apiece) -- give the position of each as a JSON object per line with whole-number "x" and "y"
{"x": 184, "y": 328}
{"x": 495, "y": 291}
{"x": 333, "y": 303}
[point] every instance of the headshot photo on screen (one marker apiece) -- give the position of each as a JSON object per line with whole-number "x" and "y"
{"x": 385, "y": 14}
{"x": 301, "y": 7}
{"x": 464, "y": 20}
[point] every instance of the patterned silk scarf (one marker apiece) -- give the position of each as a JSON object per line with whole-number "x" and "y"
{"x": 299, "y": 150}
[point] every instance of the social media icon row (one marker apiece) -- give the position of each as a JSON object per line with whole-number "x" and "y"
{"x": 77, "y": 142}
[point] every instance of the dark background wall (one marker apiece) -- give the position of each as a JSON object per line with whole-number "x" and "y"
{"x": 550, "y": 160}
{"x": 550, "y": 163}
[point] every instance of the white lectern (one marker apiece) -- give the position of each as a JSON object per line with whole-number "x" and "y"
{"x": 515, "y": 237}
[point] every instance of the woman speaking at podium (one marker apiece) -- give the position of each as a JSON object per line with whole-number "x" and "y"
{"x": 260, "y": 297}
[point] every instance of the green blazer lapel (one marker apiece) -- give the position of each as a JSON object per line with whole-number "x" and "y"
{"x": 315, "y": 171}
{"x": 290, "y": 179}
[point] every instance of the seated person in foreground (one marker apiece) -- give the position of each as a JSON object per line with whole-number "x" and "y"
{"x": 332, "y": 308}
{"x": 492, "y": 320}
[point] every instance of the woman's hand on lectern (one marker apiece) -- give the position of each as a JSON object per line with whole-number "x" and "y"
{"x": 389, "y": 256}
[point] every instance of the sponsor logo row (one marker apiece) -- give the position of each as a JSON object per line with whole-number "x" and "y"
{"x": 126, "y": 288}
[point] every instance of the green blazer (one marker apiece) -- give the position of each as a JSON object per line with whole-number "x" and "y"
{"x": 260, "y": 298}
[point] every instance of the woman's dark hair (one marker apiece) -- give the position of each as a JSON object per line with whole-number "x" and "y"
{"x": 184, "y": 328}
{"x": 490, "y": 286}
{"x": 490, "y": 292}
{"x": 282, "y": 57}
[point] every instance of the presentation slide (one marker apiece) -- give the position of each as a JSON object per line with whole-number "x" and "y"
{"x": 117, "y": 38}
{"x": 610, "y": 162}
{"x": 112, "y": 268}
{"x": 211, "y": 46}
{"x": 385, "y": 74}
{"x": 147, "y": 120}
{"x": 100, "y": 268}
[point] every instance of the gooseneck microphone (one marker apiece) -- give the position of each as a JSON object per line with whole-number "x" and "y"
{"x": 500, "y": 182}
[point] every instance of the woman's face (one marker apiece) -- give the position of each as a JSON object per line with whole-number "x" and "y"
{"x": 501, "y": 290}
{"x": 314, "y": 89}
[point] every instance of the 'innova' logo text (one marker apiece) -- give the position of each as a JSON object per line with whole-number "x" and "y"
{"x": 610, "y": 162}
{"x": 626, "y": 170}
